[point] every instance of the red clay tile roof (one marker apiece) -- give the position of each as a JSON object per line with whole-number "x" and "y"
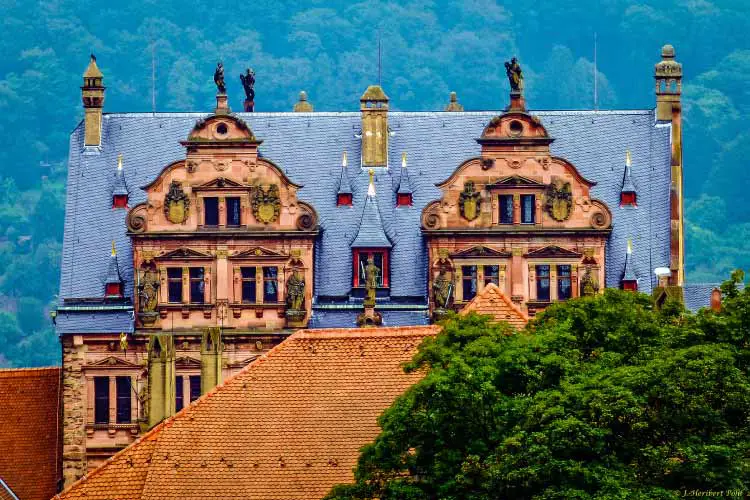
{"x": 493, "y": 302}
{"x": 5, "y": 492}
{"x": 288, "y": 426}
{"x": 30, "y": 439}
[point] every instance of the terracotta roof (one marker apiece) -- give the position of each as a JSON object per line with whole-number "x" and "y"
{"x": 493, "y": 302}
{"x": 5, "y": 492}
{"x": 30, "y": 431}
{"x": 288, "y": 426}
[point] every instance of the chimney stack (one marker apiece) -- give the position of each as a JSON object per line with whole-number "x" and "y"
{"x": 92, "y": 94}
{"x": 374, "y": 107}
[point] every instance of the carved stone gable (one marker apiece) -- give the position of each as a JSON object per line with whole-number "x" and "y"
{"x": 111, "y": 362}
{"x": 184, "y": 253}
{"x": 480, "y": 251}
{"x": 553, "y": 251}
{"x": 259, "y": 253}
{"x": 513, "y": 181}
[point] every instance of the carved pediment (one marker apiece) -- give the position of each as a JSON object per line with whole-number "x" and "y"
{"x": 220, "y": 183}
{"x": 259, "y": 253}
{"x": 111, "y": 362}
{"x": 480, "y": 251}
{"x": 243, "y": 363}
{"x": 184, "y": 253}
{"x": 553, "y": 251}
{"x": 187, "y": 362}
{"x": 516, "y": 181}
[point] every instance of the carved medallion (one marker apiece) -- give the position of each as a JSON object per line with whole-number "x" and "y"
{"x": 469, "y": 202}
{"x": 176, "y": 204}
{"x": 558, "y": 200}
{"x": 266, "y": 204}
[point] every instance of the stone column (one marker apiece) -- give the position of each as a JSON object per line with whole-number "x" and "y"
{"x": 211, "y": 359}
{"x": 161, "y": 378}
{"x": 552, "y": 283}
{"x": 516, "y": 274}
{"x": 74, "y": 433}
{"x": 574, "y": 288}
{"x": 532, "y": 282}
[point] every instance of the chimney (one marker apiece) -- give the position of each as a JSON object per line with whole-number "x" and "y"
{"x": 668, "y": 76}
{"x": 374, "y": 107}
{"x": 454, "y": 105}
{"x": 303, "y": 105}
{"x": 92, "y": 94}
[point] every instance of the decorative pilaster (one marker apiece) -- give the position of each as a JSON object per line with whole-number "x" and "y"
{"x": 161, "y": 378}
{"x": 211, "y": 359}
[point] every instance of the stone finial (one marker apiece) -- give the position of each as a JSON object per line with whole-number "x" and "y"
{"x": 303, "y": 105}
{"x": 454, "y": 105}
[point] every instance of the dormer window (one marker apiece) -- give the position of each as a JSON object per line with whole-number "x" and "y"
{"x": 114, "y": 290}
{"x": 211, "y": 211}
{"x": 403, "y": 199}
{"x": 120, "y": 201}
{"x": 344, "y": 199}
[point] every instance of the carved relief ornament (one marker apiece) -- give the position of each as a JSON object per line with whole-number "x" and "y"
{"x": 469, "y": 202}
{"x": 558, "y": 200}
{"x": 176, "y": 204}
{"x": 266, "y": 204}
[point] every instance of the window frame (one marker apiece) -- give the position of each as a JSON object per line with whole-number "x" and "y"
{"x": 177, "y": 281}
{"x": 249, "y": 281}
{"x": 194, "y": 380}
{"x": 539, "y": 278}
{"x": 204, "y": 203}
{"x": 532, "y": 212}
{"x": 500, "y": 209}
{"x": 179, "y": 393}
{"x": 273, "y": 279}
{"x": 200, "y": 282}
{"x": 228, "y": 201}
{"x": 472, "y": 278}
{"x": 563, "y": 278}
{"x": 124, "y": 402}
{"x": 358, "y": 253}
{"x": 101, "y": 400}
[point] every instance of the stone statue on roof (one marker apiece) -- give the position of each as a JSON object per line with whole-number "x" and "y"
{"x": 248, "y": 83}
{"x": 515, "y": 76}
{"x": 371, "y": 281}
{"x": 219, "y": 78}
{"x": 442, "y": 289}
{"x": 295, "y": 291}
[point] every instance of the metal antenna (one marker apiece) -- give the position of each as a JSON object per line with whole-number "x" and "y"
{"x": 153, "y": 76}
{"x": 596, "y": 86}
{"x": 380, "y": 61}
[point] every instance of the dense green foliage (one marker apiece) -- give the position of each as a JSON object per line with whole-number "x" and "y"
{"x": 600, "y": 397}
{"x": 329, "y": 49}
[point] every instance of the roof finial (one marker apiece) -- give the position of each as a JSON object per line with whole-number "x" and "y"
{"x": 403, "y": 159}
{"x": 371, "y": 187}
{"x": 630, "y": 246}
{"x": 119, "y": 162}
{"x": 114, "y": 250}
{"x": 627, "y": 158}
{"x": 343, "y": 159}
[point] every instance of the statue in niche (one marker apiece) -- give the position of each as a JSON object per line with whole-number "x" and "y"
{"x": 589, "y": 285}
{"x": 295, "y": 291}
{"x": 219, "y": 78}
{"x": 371, "y": 281}
{"x": 248, "y": 83}
{"x": 442, "y": 289}
{"x": 515, "y": 76}
{"x": 148, "y": 292}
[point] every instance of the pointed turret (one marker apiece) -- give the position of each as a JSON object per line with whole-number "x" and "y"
{"x": 120, "y": 187}
{"x": 113, "y": 283}
{"x": 628, "y": 195}
{"x": 629, "y": 278}
{"x": 371, "y": 232}
{"x": 344, "y": 195}
{"x": 404, "y": 192}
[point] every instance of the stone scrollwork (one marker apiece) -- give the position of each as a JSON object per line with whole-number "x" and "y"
{"x": 430, "y": 216}
{"x": 176, "y": 204}
{"x": 136, "y": 219}
{"x": 600, "y": 217}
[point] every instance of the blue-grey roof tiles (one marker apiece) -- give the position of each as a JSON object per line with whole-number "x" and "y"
{"x": 307, "y": 146}
{"x": 627, "y": 181}
{"x": 629, "y": 274}
{"x": 404, "y": 184}
{"x": 371, "y": 232}
{"x": 345, "y": 186}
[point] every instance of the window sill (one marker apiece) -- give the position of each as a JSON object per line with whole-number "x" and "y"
{"x": 112, "y": 429}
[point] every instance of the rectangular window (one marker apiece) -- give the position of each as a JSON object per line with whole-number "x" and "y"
{"x": 469, "y": 277}
{"x": 542, "y": 283}
{"x": 123, "y": 399}
{"x": 506, "y": 209}
{"x": 379, "y": 260}
{"x": 248, "y": 285}
{"x": 491, "y": 275}
{"x": 101, "y": 400}
{"x": 195, "y": 387}
{"x": 564, "y": 288}
{"x": 197, "y": 285}
{"x": 211, "y": 211}
{"x": 174, "y": 284}
{"x": 179, "y": 393}
{"x": 233, "y": 212}
{"x": 270, "y": 284}
{"x": 527, "y": 209}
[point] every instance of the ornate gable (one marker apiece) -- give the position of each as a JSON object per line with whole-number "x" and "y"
{"x": 184, "y": 254}
{"x": 259, "y": 253}
{"x": 480, "y": 251}
{"x": 514, "y": 181}
{"x": 111, "y": 362}
{"x": 186, "y": 362}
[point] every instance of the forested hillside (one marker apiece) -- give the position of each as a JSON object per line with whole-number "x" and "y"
{"x": 329, "y": 49}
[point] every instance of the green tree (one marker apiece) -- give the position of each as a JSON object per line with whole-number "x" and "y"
{"x": 601, "y": 397}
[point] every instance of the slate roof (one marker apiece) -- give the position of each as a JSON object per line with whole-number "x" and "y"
{"x": 30, "y": 433}
{"x": 404, "y": 184}
{"x": 344, "y": 184}
{"x": 629, "y": 273}
{"x": 288, "y": 426}
{"x": 371, "y": 232}
{"x": 698, "y": 295}
{"x": 308, "y": 147}
{"x": 493, "y": 302}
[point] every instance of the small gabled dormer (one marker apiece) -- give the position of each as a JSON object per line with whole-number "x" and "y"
{"x": 628, "y": 194}
{"x": 404, "y": 191}
{"x": 344, "y": 194}
{"x": 113, "y": 285}
{"x": 120, "y": 188}
{"x": 371, "y": 242}
{"x": 629, "y": 279}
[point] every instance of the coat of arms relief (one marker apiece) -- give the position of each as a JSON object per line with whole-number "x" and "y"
{"x": 469, "y": 201}
{"x": 176, "y": 204}
{"x": 558, "y": 200}
{"x": 266, "y": 204}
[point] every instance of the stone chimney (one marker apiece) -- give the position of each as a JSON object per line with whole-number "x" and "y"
{"x": 374, "y": 107}
{"x": 92, "y": 93}
{"x": 454, "y": 105}
{"x": 303, "y": 105}
{"x": 668, "y": 76}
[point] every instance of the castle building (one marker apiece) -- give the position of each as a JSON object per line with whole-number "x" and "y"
{"x": 196, "y": 242}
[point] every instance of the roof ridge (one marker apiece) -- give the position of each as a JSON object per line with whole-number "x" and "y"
{"x": 362, "y": 333}
{"x": 17, "y": 372}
